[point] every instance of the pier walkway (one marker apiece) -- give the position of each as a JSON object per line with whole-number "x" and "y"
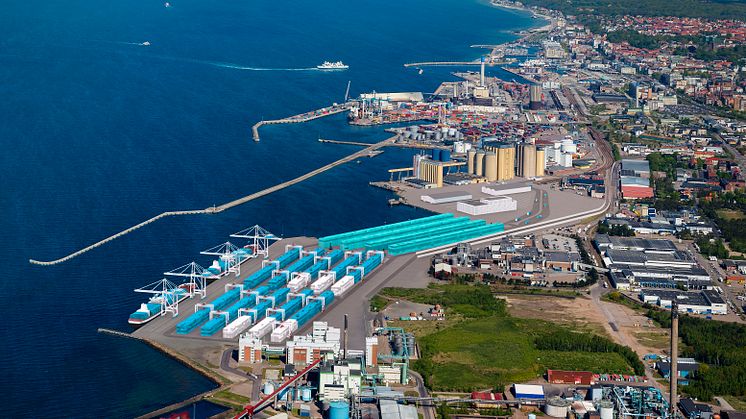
{"x": 304, "y": 117}
{"x": 452, "y": 63}
{"x": 120, "y": 234}
{"x": 369, "y": 151}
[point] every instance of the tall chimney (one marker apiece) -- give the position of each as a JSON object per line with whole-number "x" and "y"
{"x": 344, "y": 341}
{"x": 674, "y": 377}
{"x": 481, "y": 74}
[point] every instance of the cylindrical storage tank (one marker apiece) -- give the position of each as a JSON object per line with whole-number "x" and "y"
{"x": 269, "y": 388}
{"x": 445, "y": 155}
{"x": 410, "y": 343}
{"x": 398, "y": 345}
{"x": 557, "y": 407}
{"x": 339, "y": 410}
{"x": 606, "y": 409}
{"x": 470, "y": 158}
{"x": 479, "y": 163}
{"x": 436, "y": 154}
{"x": 305, "y": 394}
{"x": 490, "y": 166}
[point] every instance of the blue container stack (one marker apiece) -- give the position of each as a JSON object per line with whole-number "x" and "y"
{"x": 191, "y": 322}
{"x": 292, "y": 306}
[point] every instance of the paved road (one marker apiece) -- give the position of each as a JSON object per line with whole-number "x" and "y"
{"x": 596, "y": 292}
{"x": 427, "y": 411}
{"x": 225, "y": 366}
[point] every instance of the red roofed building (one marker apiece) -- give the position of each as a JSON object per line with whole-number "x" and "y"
{"x": 487, "y": 397}
{"x": 570, "y": 377}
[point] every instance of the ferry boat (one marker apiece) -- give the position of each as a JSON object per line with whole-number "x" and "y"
{"x": 327, "y": 65}
{"x": 152, "y": 309}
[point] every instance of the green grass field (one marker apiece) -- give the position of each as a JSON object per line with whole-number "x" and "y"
{"x": 494, "y": 351}
{"x": 728, "y": 214}
{"x": 481, "y": 346}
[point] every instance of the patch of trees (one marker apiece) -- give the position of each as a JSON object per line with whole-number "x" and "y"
{"x": 564, "y": 340}
{"x": 588, "y": 10}
{"x": 733, "y": 230}
{"x": 720, "y": 345}
{"x": 715, "y": 248}
{"x": 615, "y": 230}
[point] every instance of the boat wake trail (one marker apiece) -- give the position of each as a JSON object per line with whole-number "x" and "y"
{"x": 240, "y": 67}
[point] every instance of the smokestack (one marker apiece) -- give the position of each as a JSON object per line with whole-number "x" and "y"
{"x": 674, "y": 377}
{"x": 481, "y": 74}
{"x": 344, "y": 341}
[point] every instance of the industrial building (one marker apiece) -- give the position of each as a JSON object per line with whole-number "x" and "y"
{"x": 604, "y": 242}
{"x": 432, "y": 170}
{"x": 634, "y": 181}
{"x": 526, "y": 160}
{"x": 445, "y": 197}
{"x": 414, "y": 235}
{"x": 686, "y": 368}
{"x": 503, "y": 161}
{"x": 303, "y": 350}
{"x": 536, "y": 100}
{"x": 676, "y": 259}
{"x": 505, "y": 190}
{"x": 487, "y": 206}
{"x": 340, "y": 379}
{"x": 701, "y": 302}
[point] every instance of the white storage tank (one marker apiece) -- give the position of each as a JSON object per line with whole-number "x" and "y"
{"x": 557, "y": 407}
{"x": 269, "y": 388}
{"x": 606, "y": 409}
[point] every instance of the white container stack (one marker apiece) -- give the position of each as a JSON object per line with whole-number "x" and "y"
{"x": 344, "y": 284}
{"x": 237, "y": 326}
{"x": 284, "y": 331}
{"x": 260, "y": 329}
{"x": 322, "y": 284}
{"x": 299, "y": 281}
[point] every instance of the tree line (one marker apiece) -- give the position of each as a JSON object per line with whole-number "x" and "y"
{"x": 564, "y": 340}
{"x": 721, "y": 346}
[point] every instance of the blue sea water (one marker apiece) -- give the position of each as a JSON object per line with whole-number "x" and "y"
{"x": 99, "y": 133}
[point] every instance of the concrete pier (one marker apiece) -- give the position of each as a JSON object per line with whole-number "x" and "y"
{"x": 451, "y": 63}
{"x": 304, "y": 117}
{"x": 369, "y": 151}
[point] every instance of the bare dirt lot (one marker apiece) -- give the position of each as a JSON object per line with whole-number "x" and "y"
{"x": 582, "y": 314}
{"x": 578, "y": 313}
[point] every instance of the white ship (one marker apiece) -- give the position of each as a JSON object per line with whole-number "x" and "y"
{"x": 339, "y": 65}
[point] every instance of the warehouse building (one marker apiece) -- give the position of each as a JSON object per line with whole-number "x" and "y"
{"x": 701, "y": 302}
{"x": 445, "y": 197}
{"x": 504, "y": 190}
{"x": 604, "y": 242}
{"x": 487, "y": 206}
{"x": 337, "y": 380}
{"x": 303, "y": 350}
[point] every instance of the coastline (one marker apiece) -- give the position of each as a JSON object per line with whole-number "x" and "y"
{"x": 224, "y": 383}
{"x": 534, "y": 14}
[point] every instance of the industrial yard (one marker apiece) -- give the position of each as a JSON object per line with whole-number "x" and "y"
{"x": 538, "y": 203}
